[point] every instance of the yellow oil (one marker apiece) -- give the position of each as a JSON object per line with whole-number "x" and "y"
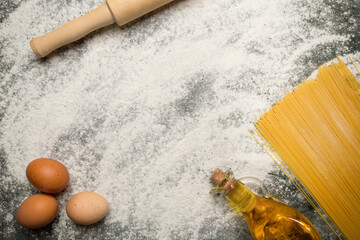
{"x": 268, "y": 219}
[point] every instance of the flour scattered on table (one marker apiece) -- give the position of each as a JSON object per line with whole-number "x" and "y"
{"x": 143, "y": 115}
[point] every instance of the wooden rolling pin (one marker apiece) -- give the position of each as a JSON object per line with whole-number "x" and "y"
{"x": 119, "y": 11}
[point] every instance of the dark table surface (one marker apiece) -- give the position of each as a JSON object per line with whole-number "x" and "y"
{"x": 143, "y": 114}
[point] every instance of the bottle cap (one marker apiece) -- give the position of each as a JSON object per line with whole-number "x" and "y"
{"x": 217, "y": 177}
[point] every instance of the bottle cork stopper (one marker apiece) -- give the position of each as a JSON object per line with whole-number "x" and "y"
{"x": 217, "y": 176}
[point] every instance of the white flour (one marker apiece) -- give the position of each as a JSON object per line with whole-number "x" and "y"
{"x": 142, "y": 115}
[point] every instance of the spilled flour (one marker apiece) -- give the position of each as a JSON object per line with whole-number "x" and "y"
{"x": 144, "y": 114}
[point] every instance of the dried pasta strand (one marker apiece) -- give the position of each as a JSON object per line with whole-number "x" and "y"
{"x": 314, "y": 134}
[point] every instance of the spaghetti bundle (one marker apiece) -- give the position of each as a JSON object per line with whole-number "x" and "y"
{"x": 314, "y": 135}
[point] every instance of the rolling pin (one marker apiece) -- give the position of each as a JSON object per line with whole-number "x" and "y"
{"x": 119, "y": 11}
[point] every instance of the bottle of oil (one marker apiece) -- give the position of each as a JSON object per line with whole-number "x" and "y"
{"x": 267, "y": 219}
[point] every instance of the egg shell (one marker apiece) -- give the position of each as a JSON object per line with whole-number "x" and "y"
{"x": 37, "y": 211}
{"x": 86, "y": 208}
{"x": 47, "y": 175}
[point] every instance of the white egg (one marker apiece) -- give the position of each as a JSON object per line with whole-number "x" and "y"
{"x": 86, "y": 208}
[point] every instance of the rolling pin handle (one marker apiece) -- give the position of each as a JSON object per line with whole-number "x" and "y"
{"x": 119, "y": 11}
{"x": 72, "y": 31}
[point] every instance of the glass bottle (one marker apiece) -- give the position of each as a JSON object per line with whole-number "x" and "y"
{"x": 267, "y": 218}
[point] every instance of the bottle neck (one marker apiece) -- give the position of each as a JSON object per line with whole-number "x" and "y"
{"x": 241, "y": 198}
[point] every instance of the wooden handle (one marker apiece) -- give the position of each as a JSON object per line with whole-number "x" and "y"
{"x": 121, "y": 11}
{"x": 126, "y": 11}
{"x": 72, "y": 31}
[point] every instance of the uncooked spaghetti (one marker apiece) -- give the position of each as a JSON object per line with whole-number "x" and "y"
{"x": 315, "y": 131}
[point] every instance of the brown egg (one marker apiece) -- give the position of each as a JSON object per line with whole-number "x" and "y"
{"x": 86, "y": 208}
{"x": 47, "y": 175}
{"x": 37, "y": 211}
